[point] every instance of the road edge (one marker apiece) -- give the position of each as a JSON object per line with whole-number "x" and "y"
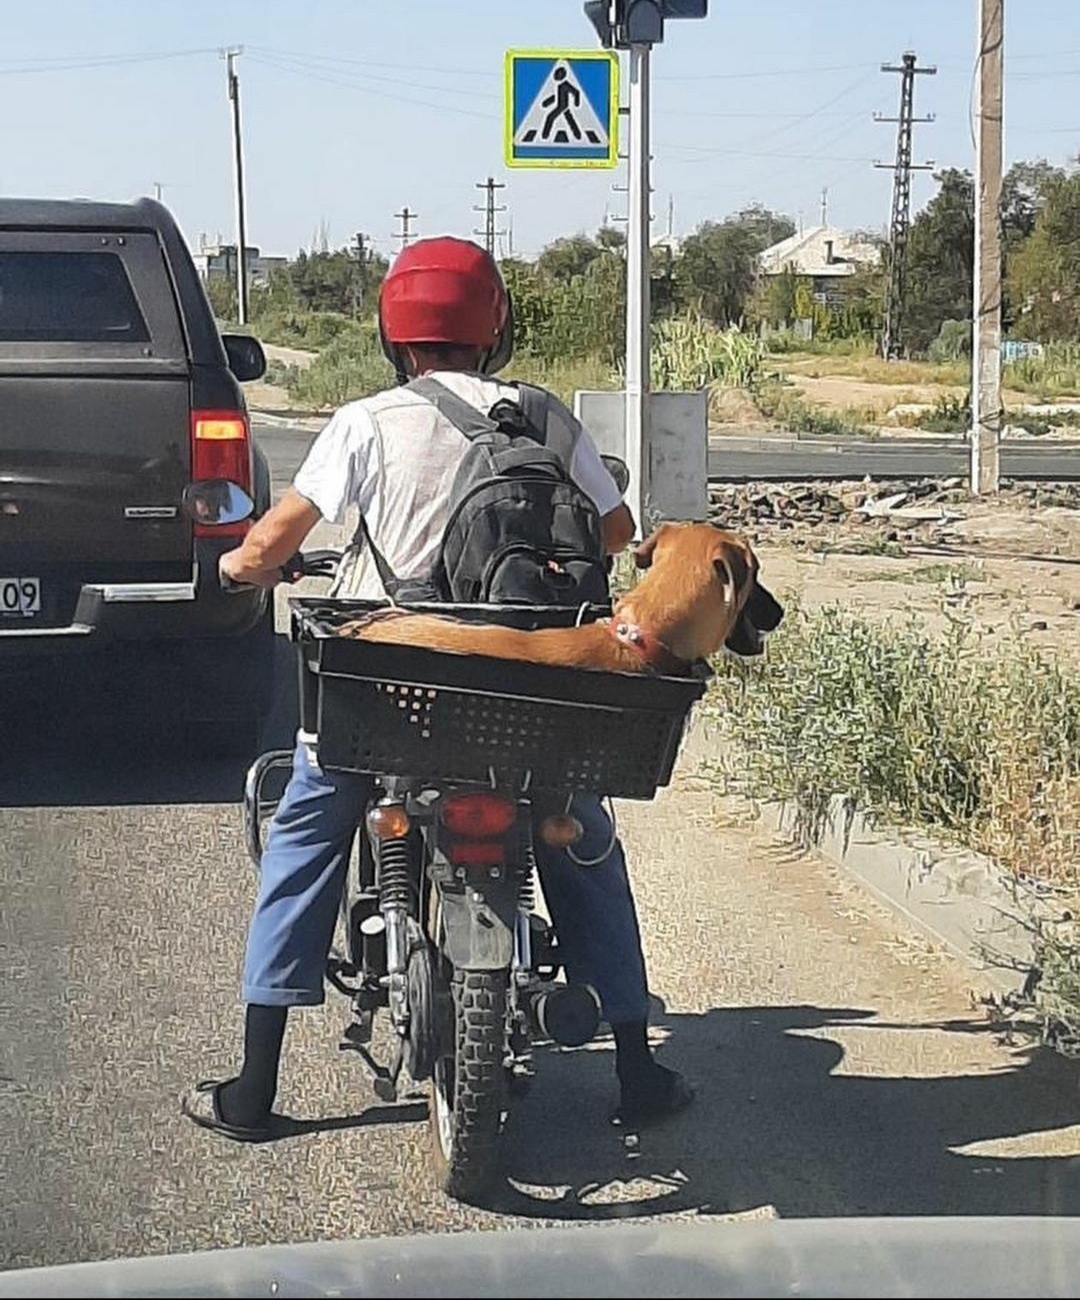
{"x": 959, "y": 899}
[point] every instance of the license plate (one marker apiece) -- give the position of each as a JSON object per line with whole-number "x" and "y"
{"x": 20, "y": 597}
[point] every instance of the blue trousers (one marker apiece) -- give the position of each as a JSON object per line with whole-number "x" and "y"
{"x": 303, "y": 875}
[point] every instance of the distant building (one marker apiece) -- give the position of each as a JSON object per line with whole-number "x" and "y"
{"x": 825, "y": 255}
{"x": 218, "y": 262}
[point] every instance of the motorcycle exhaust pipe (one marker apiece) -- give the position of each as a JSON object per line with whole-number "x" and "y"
{"x": 568, "y": 1014}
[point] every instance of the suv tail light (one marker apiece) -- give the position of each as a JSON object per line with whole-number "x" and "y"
{"x": 221, "y": 448}
{"x": 478, "y": 816}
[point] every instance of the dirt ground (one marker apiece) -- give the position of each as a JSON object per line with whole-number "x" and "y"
{"x": 1011, "y": 566}
{"x": 885, "y": 409}
{"x": 271, "y": 398}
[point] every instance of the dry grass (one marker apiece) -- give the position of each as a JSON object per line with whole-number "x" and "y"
{"x": 926, "y": 731}
{"x": 873, "y": 369}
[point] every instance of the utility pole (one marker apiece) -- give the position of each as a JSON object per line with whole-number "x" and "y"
{"x": 891, "y": 343}
{"x": 230, "y": 56}
{"x": 406, "y": 218}
{"x": 157, "y": 190}
{"x": 638, "y": 298}
{"x": 360, "y": 282}
{"x": 825, "y": 206}
{"x": 636, "y": 26}
{"x": 986, "y": 358}
{"x": 490, "y": 231}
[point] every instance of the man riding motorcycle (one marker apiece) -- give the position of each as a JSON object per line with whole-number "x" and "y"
{"x": 443, "y": 311}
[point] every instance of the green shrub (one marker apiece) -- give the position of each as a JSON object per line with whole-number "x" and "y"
{"x": 925, "y": 730}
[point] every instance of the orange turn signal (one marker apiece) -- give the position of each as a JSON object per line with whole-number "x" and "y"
{"x": 388, "y": 821}
{"x": 561, "y": 830}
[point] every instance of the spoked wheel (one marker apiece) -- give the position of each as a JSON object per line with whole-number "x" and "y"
{"x": 468, "y": 1087}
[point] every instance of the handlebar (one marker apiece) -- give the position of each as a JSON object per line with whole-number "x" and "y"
{"x": 308, "y": 564}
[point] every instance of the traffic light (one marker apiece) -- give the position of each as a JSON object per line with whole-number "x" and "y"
{"x": 598, "y": 12}
{"x": 620, "y": 23}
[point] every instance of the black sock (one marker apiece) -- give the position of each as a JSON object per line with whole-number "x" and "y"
{"x": 632, "y": 1056}
{"x": 248, "y": 1099}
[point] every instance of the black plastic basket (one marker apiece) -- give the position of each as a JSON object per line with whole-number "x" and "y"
{"x": 408, "y": 711}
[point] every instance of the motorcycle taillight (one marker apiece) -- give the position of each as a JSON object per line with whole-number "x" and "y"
{"x": 478, "y": 816}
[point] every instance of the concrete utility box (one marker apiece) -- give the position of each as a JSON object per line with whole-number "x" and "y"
{"x": 678, "y": 451}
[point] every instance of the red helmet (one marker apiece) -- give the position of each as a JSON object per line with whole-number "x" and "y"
{"x": 446, "y": 290}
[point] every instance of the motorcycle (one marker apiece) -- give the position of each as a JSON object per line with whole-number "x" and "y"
{"x": 472, "y": 762}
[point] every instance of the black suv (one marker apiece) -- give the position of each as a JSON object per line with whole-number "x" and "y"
{"x": 116, "y": 392}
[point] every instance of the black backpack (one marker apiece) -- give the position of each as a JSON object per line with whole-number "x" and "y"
{"x": 519, "y": 530}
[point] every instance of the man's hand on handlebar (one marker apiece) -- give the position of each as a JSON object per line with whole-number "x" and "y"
{"x": 234, "y": 572}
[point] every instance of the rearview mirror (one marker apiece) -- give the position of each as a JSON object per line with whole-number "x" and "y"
{"x": 247, "y": 360}
{"x": 216, "y": 501}
{"x": 618, "y": 470}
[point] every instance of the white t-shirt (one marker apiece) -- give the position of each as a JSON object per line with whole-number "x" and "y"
{"x": 394, "y": 456}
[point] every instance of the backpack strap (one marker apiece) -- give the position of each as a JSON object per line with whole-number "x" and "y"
{"x": 361, "y": 538}
{"x": 548, "y": 423}
{"x": 540, "y": 417}
{"x": 463, "y": 416}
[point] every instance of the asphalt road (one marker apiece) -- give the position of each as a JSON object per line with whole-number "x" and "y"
{"x": 735, "y": 459}
{"x": 840, "y": 1067}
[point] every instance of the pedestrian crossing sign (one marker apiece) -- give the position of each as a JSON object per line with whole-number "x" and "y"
{"x": 562, "y": 108}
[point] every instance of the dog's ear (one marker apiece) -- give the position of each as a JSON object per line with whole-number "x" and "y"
{"x": 733, "y": 568}
{"x": 643, "y": 555}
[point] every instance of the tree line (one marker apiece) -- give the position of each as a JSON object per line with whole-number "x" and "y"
{"x": 569, "y": 301}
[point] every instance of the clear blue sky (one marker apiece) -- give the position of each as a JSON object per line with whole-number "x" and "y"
{"x": 355, "y": 107}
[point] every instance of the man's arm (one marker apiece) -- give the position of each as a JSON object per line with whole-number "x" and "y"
{"x": 619, "y": 528}
{"x": 275, "y": 538}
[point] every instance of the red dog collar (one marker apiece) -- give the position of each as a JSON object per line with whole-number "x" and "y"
{"x": 647, "y": 647}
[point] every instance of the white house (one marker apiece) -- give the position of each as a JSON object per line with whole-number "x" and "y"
{"x": 826, "y": 255}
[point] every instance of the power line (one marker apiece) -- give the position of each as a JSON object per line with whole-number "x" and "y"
{"x": 812, "y": 114}
{"x": 804, "y": 71}
{"x": 367, "y": 63}
{"x": 458, "y": 72}
{"x": 411, "y": 83}
{"x": 757, "y": 153}
{"x": 72, "y": 63}
{"x": 299, "y": 71}
{"x": 891, "y": 343}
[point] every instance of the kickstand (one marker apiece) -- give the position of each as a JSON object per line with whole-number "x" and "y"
{"x": 385, "y": 1081}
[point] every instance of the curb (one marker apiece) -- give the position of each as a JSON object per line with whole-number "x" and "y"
{"x": 959, "y": 899}
{"x": 312, "y": 423}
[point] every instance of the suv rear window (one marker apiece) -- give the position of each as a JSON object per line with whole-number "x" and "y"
{"x": 68, "y": 298}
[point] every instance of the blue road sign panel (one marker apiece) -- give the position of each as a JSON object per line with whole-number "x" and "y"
{"x": 562, "y": 108}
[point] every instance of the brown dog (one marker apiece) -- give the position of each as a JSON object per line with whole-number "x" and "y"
{"x": 701, "y": 593}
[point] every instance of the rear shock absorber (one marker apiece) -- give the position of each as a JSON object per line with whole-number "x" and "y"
{"x": 395, "y": 885}
{"x": 395, "y": 893}
{"x": 523, "y": 950}
{"x": 527, "y": 888}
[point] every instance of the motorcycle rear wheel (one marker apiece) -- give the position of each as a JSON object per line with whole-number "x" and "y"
{"x": 468, "y": 1087}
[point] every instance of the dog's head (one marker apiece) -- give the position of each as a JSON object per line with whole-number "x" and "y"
{"x": 750, "y": 610}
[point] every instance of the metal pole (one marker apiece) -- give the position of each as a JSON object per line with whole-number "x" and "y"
{"x": 900, "y": 221}
{"x": 638, "y": 306}
{"x": 986, "y": 358}
{"x": 238, "y": 156}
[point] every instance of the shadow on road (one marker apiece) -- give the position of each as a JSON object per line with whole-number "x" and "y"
{"x": 65, "y": 748}
{"x": 780, "y": 1121}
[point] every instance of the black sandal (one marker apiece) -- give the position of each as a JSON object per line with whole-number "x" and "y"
{"x": 653, "y": 1107}
{"x": 203, "y": 1107}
